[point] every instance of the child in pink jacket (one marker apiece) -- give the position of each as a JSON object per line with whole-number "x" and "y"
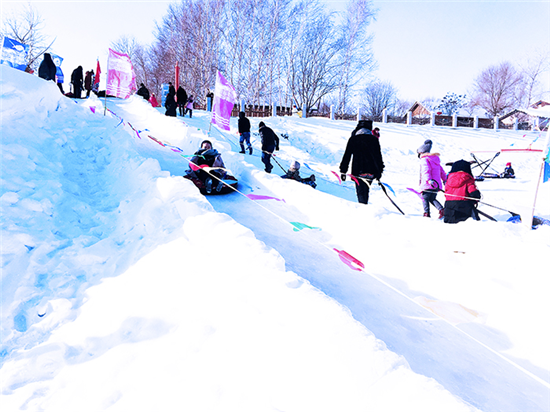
{"x": 432, "y": 177}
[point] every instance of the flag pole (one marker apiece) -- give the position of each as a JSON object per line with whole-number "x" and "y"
{"x": 106, "y": 84}
{"x": 546, "y": 153}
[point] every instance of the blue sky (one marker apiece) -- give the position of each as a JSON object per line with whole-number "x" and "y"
{"x": 425, "y": 48}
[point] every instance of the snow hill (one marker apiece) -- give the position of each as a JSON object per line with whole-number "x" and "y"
{"x": 125, "y": 289}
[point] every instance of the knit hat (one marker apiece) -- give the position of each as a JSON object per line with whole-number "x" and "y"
{"x": 294, "y": 166}
{"x": 509, "y": 164}
{"x": 364, "y": 124}
{"x": 261, "y": 124}
{"x": 425, "y": 148}
{"x": 206, "y": 141}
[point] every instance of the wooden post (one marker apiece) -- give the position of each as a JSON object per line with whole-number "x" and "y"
{"x": 476, "y": 122}
{"x": 304, "y": 111}
{"x": 385, "y": 116}
{"x": 495, "y": 124}
{"x": 432, "y": 120}
{"x": 455, "y": 120}
{"x": 332, "y": 112}
{"x": 409, "y": 118}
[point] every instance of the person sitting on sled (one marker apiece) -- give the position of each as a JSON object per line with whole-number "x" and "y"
{"x": 461, "y": 194}
{"x": 508, "y": 172}
{"x": 294, "y": 174}
{"x": 432, "y": 177}
{"x": 206, "y": 156}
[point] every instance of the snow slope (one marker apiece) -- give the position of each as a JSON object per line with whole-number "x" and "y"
{"x": 125, "y": 289}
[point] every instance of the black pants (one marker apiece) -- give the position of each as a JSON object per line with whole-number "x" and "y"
{"x": 362, "y": 190}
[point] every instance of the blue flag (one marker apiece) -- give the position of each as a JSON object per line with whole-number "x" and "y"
{"x": 14, "y": 54}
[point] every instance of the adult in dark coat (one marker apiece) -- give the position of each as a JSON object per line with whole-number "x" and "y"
{"x": 47, "y": 68}
{"x": 143, "y": 92}
{"x": 367, "y": 163}
{"x": 270, "y": 143}
{"x": 76, "y": 80}
{"x": 89, "y": 82}
{"x": 461, "y": 193}
{"x": 182, "y": 100}
{"x": 170, "y": 103}
{"x": 244, "y": 132}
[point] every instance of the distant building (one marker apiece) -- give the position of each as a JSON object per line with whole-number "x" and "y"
{"x": 535, "y": 117}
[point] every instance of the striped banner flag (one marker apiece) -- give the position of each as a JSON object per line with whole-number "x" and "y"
{"x": 121, "y": 79}
{"x": 224, "y": 99}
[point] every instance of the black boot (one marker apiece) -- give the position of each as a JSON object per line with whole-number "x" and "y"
{"x": 242, "y": 148}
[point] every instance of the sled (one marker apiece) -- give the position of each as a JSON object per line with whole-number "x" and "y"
{"x": 230, "y": 184}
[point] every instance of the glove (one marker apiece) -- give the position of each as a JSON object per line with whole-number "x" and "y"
{"x": 277, "y": 148}
{"x": 343, "y": 176}
{"x": 433, "y": 184}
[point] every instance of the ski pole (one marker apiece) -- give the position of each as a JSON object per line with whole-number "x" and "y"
{"x": 273, "y": 156}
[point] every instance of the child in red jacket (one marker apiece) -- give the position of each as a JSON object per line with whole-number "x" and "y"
{"x": 461, "y": 193}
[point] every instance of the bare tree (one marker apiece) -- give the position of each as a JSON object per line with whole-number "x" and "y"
{"x": 26, "y": 27}
{"x": 377, "y": 96}
{"x": 313, "y": 47}
{"x": 531, "y": 72}
{"x": 495, "y": 89}
{"x": 356, "y": 54}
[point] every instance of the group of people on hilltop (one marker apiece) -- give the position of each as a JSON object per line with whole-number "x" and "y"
{"x": 80, "y": 82}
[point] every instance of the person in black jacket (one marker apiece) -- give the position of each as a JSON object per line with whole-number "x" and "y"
{"x": 270, "y": 143}
{"x": 170, "y": 103}
{"x": 47, "y": 68}
{"x": 143, "y": 92}
{"x": 244, "y": 132}
{"x": 182, "y": 100}
{"x": 367, "y": 164}
{"x": 76, "y": 80}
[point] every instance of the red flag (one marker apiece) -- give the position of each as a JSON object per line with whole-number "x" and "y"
{"x": 121, "y": 79}
{"x": 95, "y": 86}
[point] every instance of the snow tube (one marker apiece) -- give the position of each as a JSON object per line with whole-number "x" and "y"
{"x": 230, "y": 185}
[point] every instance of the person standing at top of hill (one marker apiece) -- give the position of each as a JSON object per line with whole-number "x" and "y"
{"x": 143, "y": 92}
{"x": 170, "y": 103}
{"x": 89, "y": 82}
{"x": 270, "y": 143}
{"x": 432, "y": 177}
{"x": 367, "y": 164}
{"x": 244, "y": 132}
{"x": 76, "y": 80}
{"x": 47, "y": 69}
{"x": 181, "y": 96}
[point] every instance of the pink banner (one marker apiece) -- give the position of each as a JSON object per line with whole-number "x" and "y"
{"x": 224, "y": 99}
{"x": 262, "y": 197}
{"x": 121, "y": 79}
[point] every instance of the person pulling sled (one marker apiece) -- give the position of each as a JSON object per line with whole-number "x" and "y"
{"x": 461, "y": 194}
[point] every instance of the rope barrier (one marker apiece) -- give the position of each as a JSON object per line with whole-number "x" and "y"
{"x": 356, "y": 265}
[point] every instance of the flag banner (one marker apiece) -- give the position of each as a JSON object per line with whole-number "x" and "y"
{"x": 14, "y": 54}
{"x": 349, "y": 260}
{"x": 263, "y": 197}
{"x": 224, "y": 99}
{"x": 95, "y": 87}
{"x": 299, "y": 226}
{"x": 57, "y": 59}
{"x": 121, "y": 79}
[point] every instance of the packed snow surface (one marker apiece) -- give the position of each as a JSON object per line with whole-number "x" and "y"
{"x": 124, "y": 288}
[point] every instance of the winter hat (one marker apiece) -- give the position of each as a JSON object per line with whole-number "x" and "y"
{"x": 262, "y": 124}
{"x": 206, "y": 141}
{"x": 509, "y": 164}
{"x": 364, "y": 124}
{"x": 461, "y": 166}
{"x": 294, "y": 166}
{"x": 425, "y": 148}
